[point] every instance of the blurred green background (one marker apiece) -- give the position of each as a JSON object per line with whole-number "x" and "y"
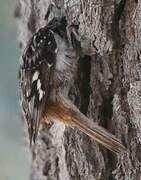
{"x": 13, "y": 155}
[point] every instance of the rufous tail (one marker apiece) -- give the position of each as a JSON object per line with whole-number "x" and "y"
{"x": 65, "y": 112}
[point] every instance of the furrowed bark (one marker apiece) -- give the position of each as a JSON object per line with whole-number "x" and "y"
{"x": 106, "y": 89}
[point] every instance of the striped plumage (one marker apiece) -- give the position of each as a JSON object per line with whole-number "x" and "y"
{"x": 36, "y": 73}
{"x": 48, "y": 68}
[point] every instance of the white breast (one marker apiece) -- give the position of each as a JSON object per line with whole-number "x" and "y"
{"x": 62, "y": 62}
{"x": 66, "y": 59}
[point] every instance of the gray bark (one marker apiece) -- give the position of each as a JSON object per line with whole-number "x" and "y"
{"x": 107, "y": 89}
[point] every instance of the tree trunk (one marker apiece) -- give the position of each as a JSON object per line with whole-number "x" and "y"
{"x": 107, "y": 89}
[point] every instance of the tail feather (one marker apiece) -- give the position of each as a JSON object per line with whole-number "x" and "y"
{"x": 64, "y": 111}
{"x": 101, "y": 136}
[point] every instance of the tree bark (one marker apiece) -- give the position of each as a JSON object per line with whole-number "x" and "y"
{"x": 107, "y": 89}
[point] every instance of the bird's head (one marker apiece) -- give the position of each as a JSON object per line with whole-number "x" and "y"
{"x": 58, "y": 23}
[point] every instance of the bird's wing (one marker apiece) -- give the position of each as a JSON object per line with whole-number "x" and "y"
{"x": 36, "y": 77}
{"x": 34, "y": 96}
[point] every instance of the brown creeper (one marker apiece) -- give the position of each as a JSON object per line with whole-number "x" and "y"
{"x": 48, "y": 62}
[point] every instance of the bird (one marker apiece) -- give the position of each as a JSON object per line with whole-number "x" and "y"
{"x": 47, "y": 70}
